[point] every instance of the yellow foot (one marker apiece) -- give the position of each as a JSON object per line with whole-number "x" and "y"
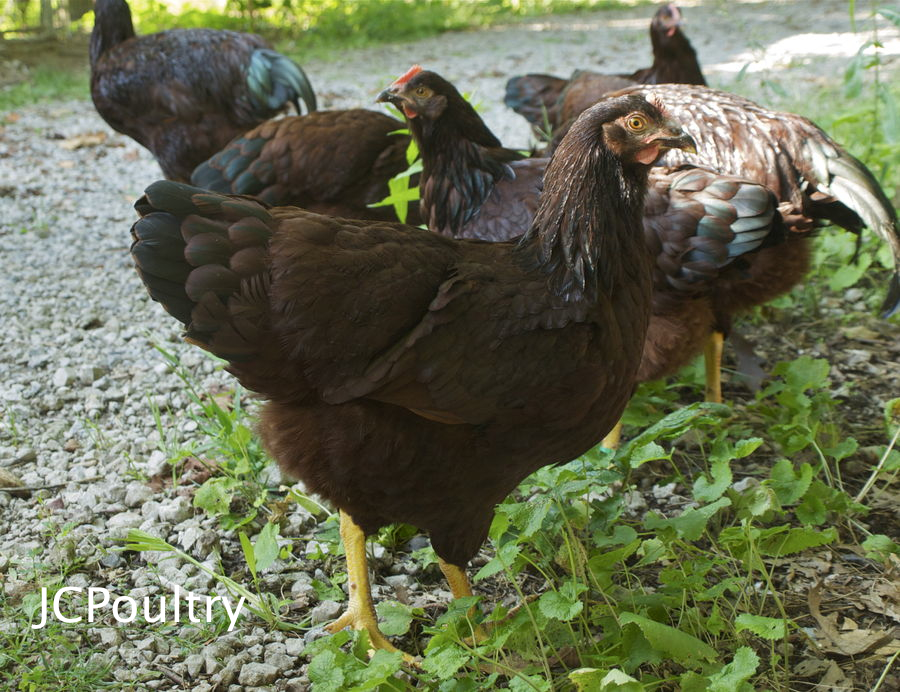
{"x": 360, "y": 613}
{"x": 613, "y": 437}
{"x": 356, "y": 620}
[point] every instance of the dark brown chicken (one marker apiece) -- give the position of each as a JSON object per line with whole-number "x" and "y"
{"x": 697, "y": 223}
{"x": 412, "y": 377}
{"x": 331, "y": 162}
{"x": 544, "y": 101}
{"x": 185, "y": 93}
{"x": 470, "y": 186}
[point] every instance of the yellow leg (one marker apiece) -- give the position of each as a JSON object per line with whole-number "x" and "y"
{"x": 613, "y": 437}
{"x": 460, "y": 587}
{"x": 713, "y": 358}
{"x": 457, "y": 579}
{"x": 360, "y": 613}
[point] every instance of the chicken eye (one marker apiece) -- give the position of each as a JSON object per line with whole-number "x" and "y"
{"x": 423, "y": 91}
{"x": 636, "y": 123}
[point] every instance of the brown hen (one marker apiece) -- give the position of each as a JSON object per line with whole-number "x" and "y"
{"x": 812, "y": 177}
{"x": 331, "y": 162}
{"x": 412, "y": 377}
{"x": 544, "y": 100}
{"x": 697, "y": 223}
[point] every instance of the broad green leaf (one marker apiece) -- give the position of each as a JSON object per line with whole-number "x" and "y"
{"x": 503, "y": 558}
{"x": 266, "y": 547}
{"x": 443, "y": 657}
{"x": 564, "y": 604}
{"x": 684, "y": 648}
{"x": 691, "y": 523}
{"x": 605, "y": 560}
{"x": 648, "y": 452}
{"x": 892, "y": 15}
{"x": 529, "y": 516}
{"x": 804, "y": 373}
{"x": 853, "y": 80}
{"x": 760, "y": 500}
{"x": 842, "y": 449}
{"x": 213, "y": 496}
{"x": 878, "y": 547}
{"x": 328, "y": 591}
{"x": 324, "y": 672}
{"x": 745, "y": 448}
{"x": 767, "y": 628}
{"x": 652, "y": 550}
{"x": 587, "y": 679}
{"x": 707, "y": 491}
{"x": 795, "y": 540}
{"x": 676, "y": 423}
{"x": 379, "y": 673}
{"x": 847, "y": 275}
{"x": 393, "y": 618}
{"x": 790, "y": 486}
{"x": 892, "y": 415}
{"x": 528, "y": 683}
{"x": 733, "y": 675}
{"x": 599, "y": 680}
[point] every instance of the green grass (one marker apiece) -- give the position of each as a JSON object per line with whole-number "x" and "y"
{"x": 47, "y": 84}
{"x": 303, "y": 29}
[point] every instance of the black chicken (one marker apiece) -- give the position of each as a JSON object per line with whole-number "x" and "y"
{"x": 546, "y": 101}
{"x": 185, "y": 93}
{"x": 412, "y": 377}
{"x": 697, "y": 223}
{"x": 331, "y": 162}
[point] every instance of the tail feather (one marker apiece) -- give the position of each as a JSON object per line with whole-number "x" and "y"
{"x": 852, "y": 184}
{"x": 533, "y": 95}
{"x": 237, "y": 169}
{"x": 275, "y": 80}
{"x": 203, "y": 257}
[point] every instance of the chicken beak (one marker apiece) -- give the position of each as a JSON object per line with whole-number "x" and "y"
{"x": 393, "y": 96}
{"x": 388, "y": 96}
{"x": 681, "y": 140}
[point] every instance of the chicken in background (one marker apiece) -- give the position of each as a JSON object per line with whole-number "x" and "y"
{"x": 335, "y": 162}
{"x": 416, "y": 378}
{"x": 544, "y": 100}
{"x": 697, "y": 223}
{"x": 185, "y": 93}
{"x": 814, "y": 180}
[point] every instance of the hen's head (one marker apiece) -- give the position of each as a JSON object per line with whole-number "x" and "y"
{"x": 420, "y": 93}
{"x": 633, "y": 129}
{"x": 665, "y": 22}
{"x": 432, "y": 104}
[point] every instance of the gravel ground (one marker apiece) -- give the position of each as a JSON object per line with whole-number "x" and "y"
{"x": 78, "y": 372}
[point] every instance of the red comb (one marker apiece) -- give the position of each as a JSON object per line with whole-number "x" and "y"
{"x": 409, "y": 74}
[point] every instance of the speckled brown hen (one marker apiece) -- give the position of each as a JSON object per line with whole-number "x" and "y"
{"x": 185, "y": 93}
{"x": 812, "y": 177}
{"x": 417, "y": 378}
